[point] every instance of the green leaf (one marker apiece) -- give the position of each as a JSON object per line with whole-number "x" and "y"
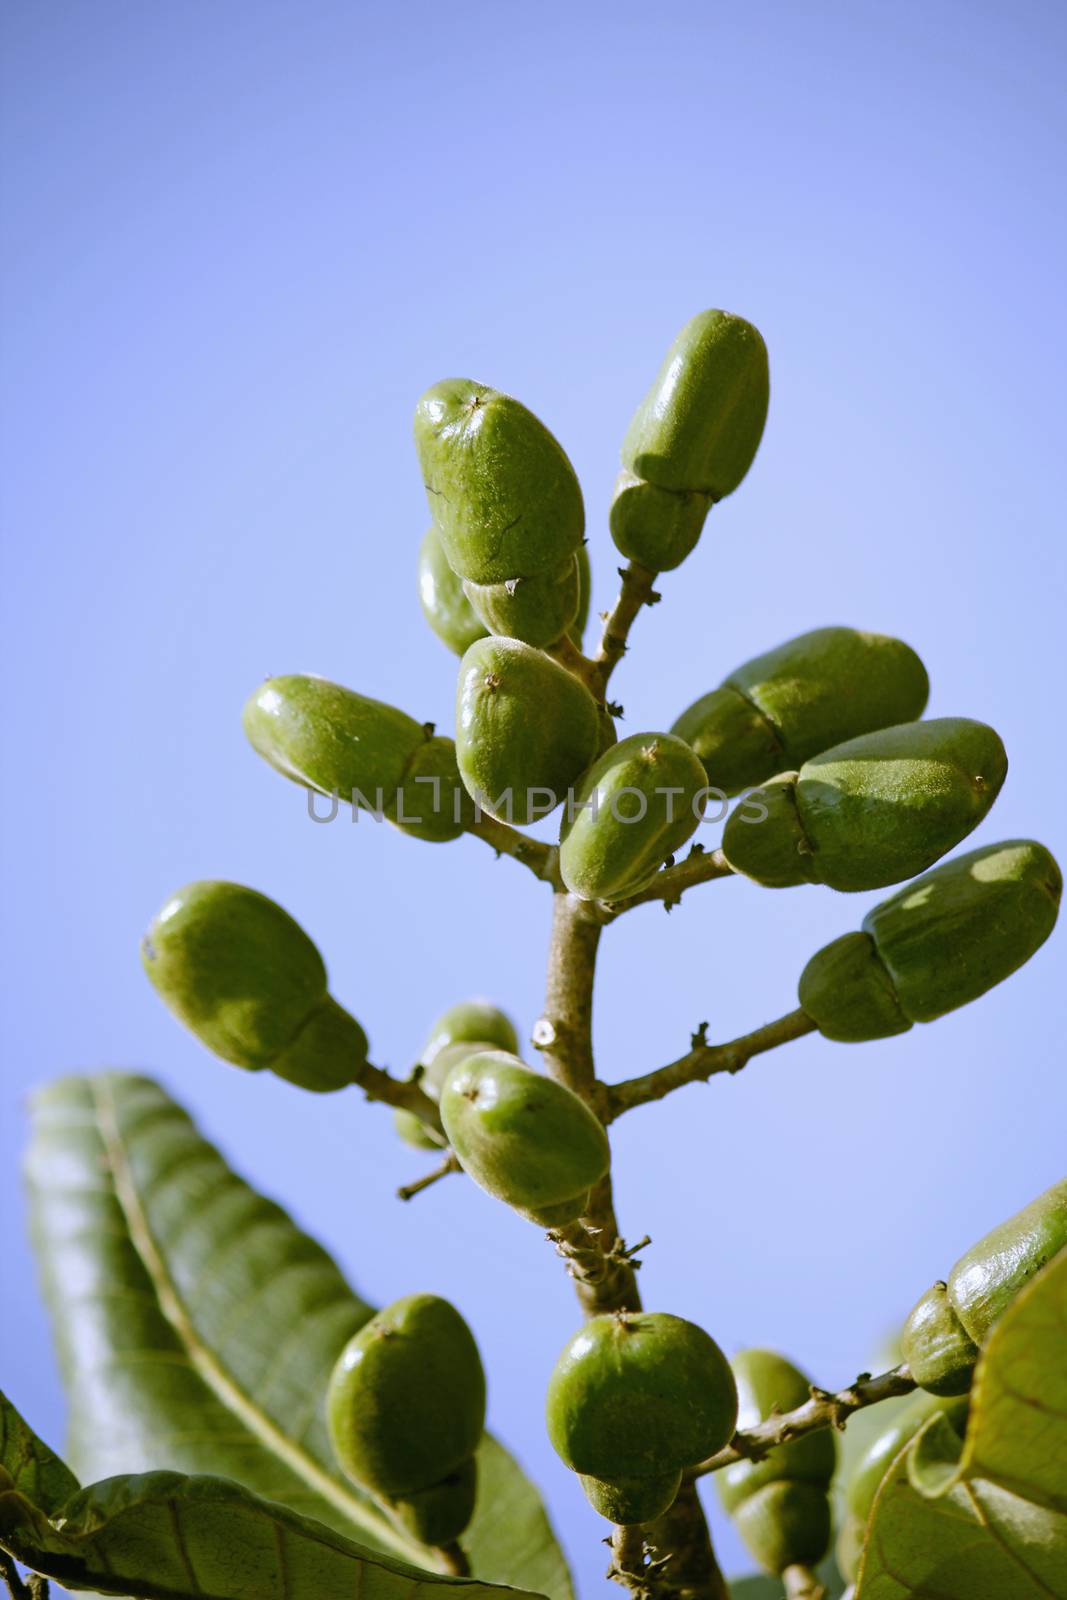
{"x": 987, "y": 1521}
{"x": 28, "y": 1467}
{"x": 166, "y": 1536}
{"x": 197, "y": 1327}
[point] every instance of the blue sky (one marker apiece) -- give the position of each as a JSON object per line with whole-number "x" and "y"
{"x": 239, "y": 241}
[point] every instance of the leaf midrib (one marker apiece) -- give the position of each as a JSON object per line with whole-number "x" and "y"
{"x": 218, "y": 1379}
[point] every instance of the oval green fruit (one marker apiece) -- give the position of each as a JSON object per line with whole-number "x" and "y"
{"x": 538, "y": 610}
{"x": 872, "y": 811}
{"x": 406, "y": 1400}
{"x": 331, "y": 739}
{"x": 444, "y": 604}
{"x": 630, "y": 1501}
{"x": 439, "y": 1514}
{"x": 876, "y": 1460}
{"x": 947, "y": 1326}
{"x": 785, "y": 1524}
{"x": 585, "y": 594}
{"x": 525, "y": 729}
{"x": 524, "y": 1138}
{"x": 781, "y": 708}
{"x": 767, "y": 1382}
{"x": 501, "y": 490}
{"x": 411, "y": 1128}
{"x": 987, "y": 1278}
{"x": 638, "y": 1395}
{"x": 936, "y": 1345}
{"x": 243, "y": 976}
{"x": 700, "y": 424}
{"x": 938, "y": 943}
{"x": 467, "y": 1022}
{"x": 637, "y": 804}
{"x": 337, "y": 742}
{"x": 461, "y": 1031}
{"x": 656, "y": 527}
{"x": 431, "y": 801}
{"x": 781, "y": 1504}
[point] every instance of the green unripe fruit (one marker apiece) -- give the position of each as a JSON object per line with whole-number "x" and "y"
{"x": 627, "y": 1501}
{"x": 431, "y": 802}
{"x": 936, "y": 1346}
{"x": 780, "y": 1504}
{"x": 337, "y": 742}
{"x": 781, "y": 708}
{"x": 949, "y": 1323}
{"x": 874, "y": 1463}
{"x": 872, "y": 811}
{"x": 986, "y": 1279}
{"x": 525, "y": 729}
{"x": 537, "y": 610}
{"x": 444, "y": 604}
{"x": 700, "y": 424}
{"x": 411, "y": 1128}
{"x": 439, "y": 1514}
{"x": 656, "y": 527}
{"x": 767, "y": 1382}
{"x": 458, "y": 1032}
{"x": 524, "y": 1138}
{"x": 502, "y": 492}
{"x": 406, "y": 1400}
{"x": 785, "y": 1524}
{"x": 469, "y": 1022}
{"x": 585, "y": 594}
{"x": 246, "y": 979}
{"x": 636, "y": 1395}
{"x": 938, "y": 943}
{"x": 637, "y": 804}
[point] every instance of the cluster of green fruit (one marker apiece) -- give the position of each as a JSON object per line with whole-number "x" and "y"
{"x": 838, "y": 781}
{"x": 941, "y": 1342}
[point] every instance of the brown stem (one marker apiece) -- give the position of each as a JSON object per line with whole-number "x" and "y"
{"x": 403, "y": 1094}
{"x": 410, "y": 1190}
{"x": 628, "y": 1564}
{"x": 10, "y": 1574}
{"x": 704, "y": 1060}
{"x": 541, "y": 859}
{"x": 636, "y": 591}
{"x": 823, "y": 1410}
{"x": 681, "y": 1539}
{"x": 565, "y": 1036}
{"x": 35, "y": 1587}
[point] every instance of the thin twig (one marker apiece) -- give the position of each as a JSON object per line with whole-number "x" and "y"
{"x": 410, "y": 1190}
{"x": 636, "y": 591}
{"x": 670, "y": 883}
{"x": 823, "y": 1410}
{"x": 703, "y": 1061}
{"x": 402, "y": 1093}
{"x": 18, "y": 1590}
{"x": 541, "y": 859}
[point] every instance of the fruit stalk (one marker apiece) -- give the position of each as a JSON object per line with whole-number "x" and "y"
{"x": 823, "y": 1410}
{"x": 636, "y": 591}
{"x": 704, "y": 1060}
